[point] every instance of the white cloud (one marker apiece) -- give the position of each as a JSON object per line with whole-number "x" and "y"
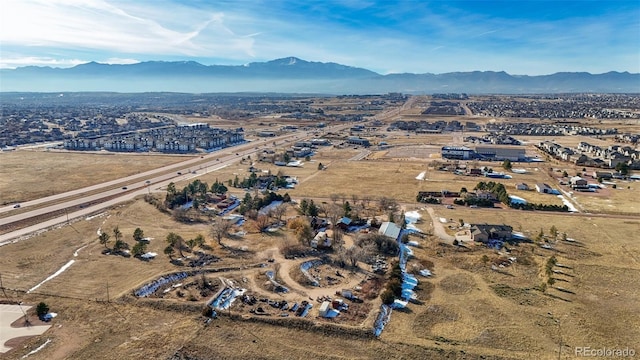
{"x": 12, "y": 63}
{"x": 99, "y": 25}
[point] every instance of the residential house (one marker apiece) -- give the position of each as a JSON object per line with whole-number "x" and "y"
{"x": 344, "y": 223}
{"x": 485, "y": 232}
{"x": 544, "y": 188}
{"x": 576, "y": 182}
{"x": 605, "y": 175}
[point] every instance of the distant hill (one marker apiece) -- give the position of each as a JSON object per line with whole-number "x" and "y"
{"x": 293, "y": 75}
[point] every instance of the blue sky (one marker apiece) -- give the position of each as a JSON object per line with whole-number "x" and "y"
{"x": 519, "y": 37}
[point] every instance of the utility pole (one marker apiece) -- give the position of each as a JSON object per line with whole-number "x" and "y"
{"x": 560, "y": 334}
{"x": 107, "y": 291}
{"x": 2, "y": 287}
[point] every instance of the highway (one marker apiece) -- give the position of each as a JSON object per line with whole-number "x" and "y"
{"x": 104, "y": 195}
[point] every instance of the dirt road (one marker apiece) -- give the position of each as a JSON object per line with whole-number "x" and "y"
{"x": 438, "y": 228}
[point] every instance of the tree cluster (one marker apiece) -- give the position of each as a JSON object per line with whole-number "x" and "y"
{"x": 195, "y": 191}
{"x": 256, "y": 203}
{"x": 393, "y": 289}
{"x": 309, "y": 208}
{"x": 119, "y": 244}
{"x": 383, "y": 244}
{"x": 176, "y": 242}
{"x": 427, "y": 199}
{"x": 622, "y": 168}
{"x": 271, "y": 182}
{"x": 540, "y": 207}
{"x": 474, "y": 201}
{"x": 496, "y": 189}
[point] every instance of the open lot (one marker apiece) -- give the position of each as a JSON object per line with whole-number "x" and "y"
{"x": 478, "y": 303}
{"x": 27, "y": 175}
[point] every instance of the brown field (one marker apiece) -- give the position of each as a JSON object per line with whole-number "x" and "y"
{"x": 467, "y": 310}
{"x": 27, "y": 175}
{"x": 473, "y": 307}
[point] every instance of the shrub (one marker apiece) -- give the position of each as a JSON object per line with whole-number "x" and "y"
{"x": 42, "y": 309}
{"x": 387, "y": 297}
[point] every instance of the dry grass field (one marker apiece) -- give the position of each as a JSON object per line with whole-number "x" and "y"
{"x": 27, "y": 175}
{"x": 469, "y": 309}
{"x": 472, "y": 307}
{"x": 466, "y": 310}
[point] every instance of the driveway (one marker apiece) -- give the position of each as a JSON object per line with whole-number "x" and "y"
{"x": 438, "y": 227}
{"x": 9, "y": 314}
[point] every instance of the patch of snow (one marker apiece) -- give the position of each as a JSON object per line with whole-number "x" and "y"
{"x": 517, "y": 200}
{"x": 75, "y": 253}
{"x": 94, "y": 216}
{"x": 425, "y": 272}
{"x": 60, "y": 271}
{"x": 37, "y": 349}
{"x": 568, "y": 203}
{"x": 421, "y": 175}
{"x": 399, "y": 304}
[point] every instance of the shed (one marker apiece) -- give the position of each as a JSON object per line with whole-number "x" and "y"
{"x": 324, "y": 308}
{"x": 390, "y": 229}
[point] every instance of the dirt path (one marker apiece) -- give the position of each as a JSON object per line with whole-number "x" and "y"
{"x": 284, "y": 274}
{"x": 438, "y": 228}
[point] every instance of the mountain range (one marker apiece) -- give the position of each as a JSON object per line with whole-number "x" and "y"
{"x": 293, "y": 75}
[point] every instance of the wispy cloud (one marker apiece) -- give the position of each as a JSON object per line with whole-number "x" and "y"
{"x": 14, "y": 62}
{"x": 520, "y": 37}
{"x": 97, "y": 24}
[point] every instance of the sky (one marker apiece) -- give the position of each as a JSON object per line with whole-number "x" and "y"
{"x": 385, "y": 36}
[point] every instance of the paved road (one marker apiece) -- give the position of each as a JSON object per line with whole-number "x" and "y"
{"x": 139, "y": 185}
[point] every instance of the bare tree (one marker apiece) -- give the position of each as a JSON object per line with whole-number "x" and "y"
{"x": 220, "y": 230}
{"x": 334, "y": 213}
{"x": 334, "y": 197}
{"x": 388, "y": 204}
{"x": 353, "y": 255}
{"x": 337, "y": 235}
{"x": 357, "y": 210}
{"x": 251, "y": 214}
{"x": 305, "y": 234}
{"x": 279, "y": 211}
{"x": 368, "y": 252}
{"x": 261, "y": 223}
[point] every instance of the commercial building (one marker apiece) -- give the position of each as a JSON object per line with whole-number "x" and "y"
{"x": 457, "y": 152}
{"x": 500, "y": 153}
